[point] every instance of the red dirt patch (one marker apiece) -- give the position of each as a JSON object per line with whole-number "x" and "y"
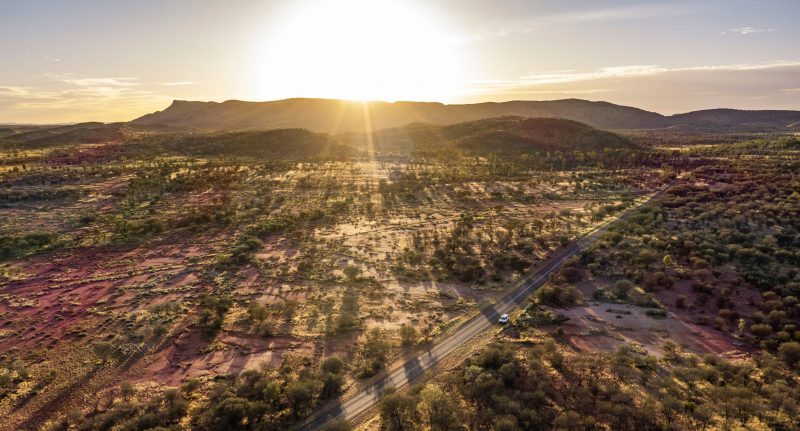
{"x": 603, "y": 326}
{"x": 187, "y": 356}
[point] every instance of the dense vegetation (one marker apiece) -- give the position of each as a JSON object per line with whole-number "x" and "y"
{"x": 728, "y": 240}
{"x": 517, "y": 387}
{"x": 254, "y": 400}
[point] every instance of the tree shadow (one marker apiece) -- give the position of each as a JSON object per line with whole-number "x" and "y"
{"x": 490, "y": 312}
{"x": 332, "y": 411}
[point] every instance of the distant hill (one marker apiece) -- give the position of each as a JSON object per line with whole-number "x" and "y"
{"x": 505, "y": 136}
{"x": 732, "y": 119}
{"x": 502, "y": 135}
{"x": 76, "y": 133}
{"x": 337, "y": 116}
{"x": 81, "y": 133}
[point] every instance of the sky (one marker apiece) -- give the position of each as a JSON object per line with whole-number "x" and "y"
{"x": 77, "y": 60}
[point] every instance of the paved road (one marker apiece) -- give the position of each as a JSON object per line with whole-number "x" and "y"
{"x": 400, "y": 374}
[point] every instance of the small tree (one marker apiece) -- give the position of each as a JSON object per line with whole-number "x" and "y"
{"x": 332, "y": 364}
{"x": 331, "y": 385}
{"x": 408, "y": 335}
{"x": 348, "y": 312}
{"x": 299, "y": 394}
{"x": 374, "y": 351}
{"x": 332, "y": 379}
{"x": 437, "y": 409}
{"x": 398, "y": 412}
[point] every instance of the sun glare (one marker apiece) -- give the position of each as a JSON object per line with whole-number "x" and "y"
{"x": 358, "y": 50}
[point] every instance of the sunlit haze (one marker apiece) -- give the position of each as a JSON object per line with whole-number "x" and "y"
{"x": 109, "y": 61}
{"x": 357, "y": 49}
{"x": 399, "y": 215}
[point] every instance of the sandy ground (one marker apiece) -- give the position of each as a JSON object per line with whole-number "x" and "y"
{"x": 599, "y": 326}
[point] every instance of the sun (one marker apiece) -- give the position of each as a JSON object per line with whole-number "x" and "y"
{"x": 358, "y": 50}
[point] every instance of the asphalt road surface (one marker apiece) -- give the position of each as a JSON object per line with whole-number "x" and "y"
{"x": 401, "y": 374}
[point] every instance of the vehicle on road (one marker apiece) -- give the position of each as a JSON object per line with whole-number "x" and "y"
{"x": 503, "y": 319}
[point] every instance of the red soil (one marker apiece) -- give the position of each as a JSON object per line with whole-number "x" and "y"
{"x": 187, "y": 356}
{"x": 602, "y": 327}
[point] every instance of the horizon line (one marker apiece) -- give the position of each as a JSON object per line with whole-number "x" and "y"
{"x": 355, "y": 101}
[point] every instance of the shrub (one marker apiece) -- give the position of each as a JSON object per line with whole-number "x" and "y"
{"x": 337, "y": 425}
{"x": 352, "y": 272}
{"x": 533, "y": 316}
{"x": 212, "y": 313}
{"x": 559, "y": 295}
{"x": 572, "y": 274}
{"x": 790, "y": 353}
{"x": 761, "y": 330}
{"x": 622, "y": 288}
{"x": 600, "y": 294}
{"x": 332, "y": 364}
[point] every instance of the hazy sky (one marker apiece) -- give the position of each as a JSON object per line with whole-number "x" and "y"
{"x": 67, "y": 61}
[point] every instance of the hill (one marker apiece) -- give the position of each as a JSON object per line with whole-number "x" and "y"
{"x": 726, "y": 119}
{"x": 77, "y": 133}
{"x": 81, "y": 133}
{"x": 501, "y": 135}
{"x": 505, "y": 136}
{"x": 337, "y": 116}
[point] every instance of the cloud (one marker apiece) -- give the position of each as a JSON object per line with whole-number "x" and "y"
{"x": 14, "y": 90}
{"x": 540, "y": 93}
{"x": 749, "y": 30}
{"x": 606, "y": 72}
{"x": 177, "y": 83}
{"x": 77, "y": 98}
{"x": 745, "y": 66}
{"x": 566, "y": 76}
{"x": 770, "y": 85}
{"x": 636, "y": 11}
{"x": 630, "y": 71}
{"x": 528, "y": 25}
{"x": 100, "y": 82}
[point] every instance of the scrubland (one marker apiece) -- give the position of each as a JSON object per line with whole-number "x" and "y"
{"x": 240, "y": 281}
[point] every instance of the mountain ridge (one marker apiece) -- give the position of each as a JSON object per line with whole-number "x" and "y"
{"x": 337, "y": 116}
